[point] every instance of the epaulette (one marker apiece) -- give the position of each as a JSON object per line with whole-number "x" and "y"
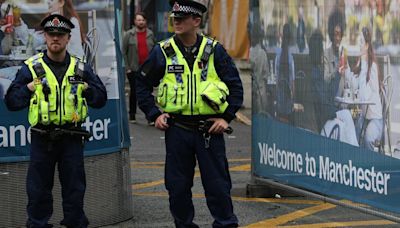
{"x": 79, "y": 67}
{"x": 81, "y": 59}
{"x": 168, "y": 49}
{"x": 214, "y": 40}
{"x": 39, "y": 70}
{"x": 208, "y": 50}
{"x": 165, "y": 40}
{"x": 34, "y": 58}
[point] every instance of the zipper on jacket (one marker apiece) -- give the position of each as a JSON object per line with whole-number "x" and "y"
{"x": 191, "y": 93}
{"x": 195, "y": 89}
{"x": 187, "y": 90}
{"x": 63, "y": 99}
{"x": 57, "y": 101}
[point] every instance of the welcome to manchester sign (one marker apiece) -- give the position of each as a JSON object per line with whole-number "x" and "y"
{"x": 302, "y": 159}
{"x": 296, "y": 151}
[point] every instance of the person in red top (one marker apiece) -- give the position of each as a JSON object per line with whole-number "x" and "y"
{"x": 143, "y": 51}
{"x": 137, "y": 43}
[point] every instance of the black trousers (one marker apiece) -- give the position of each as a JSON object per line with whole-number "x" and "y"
{"x": 67, "y": 153}
{"x": 132, "y": 94}
{"x": 183, "y": 147}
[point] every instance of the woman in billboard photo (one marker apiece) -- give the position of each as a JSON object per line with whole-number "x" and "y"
{"x": 369, "y": 125}
{"x": 331, "y": 121}
{"x": 64, "y": 8}
{"x": 284, "y": 68}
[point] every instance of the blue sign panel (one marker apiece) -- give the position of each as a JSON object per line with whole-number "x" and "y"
{"x": 102, "y": 123}
{"x": 108, "y": 125}
{"x": 300, "y": 158}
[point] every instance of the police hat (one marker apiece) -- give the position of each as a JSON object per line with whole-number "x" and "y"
{"x": 56, "y": 23}
{"x": 183, "y": 8}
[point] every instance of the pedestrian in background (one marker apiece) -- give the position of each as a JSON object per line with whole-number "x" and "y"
{"x": 57, "y": 87}
{"x": 197, "y": 82}
{"x": 137, "y": 43}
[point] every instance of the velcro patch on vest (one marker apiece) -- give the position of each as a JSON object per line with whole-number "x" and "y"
{"x": 75, "y": 79}
{"x": 175, "y": 68}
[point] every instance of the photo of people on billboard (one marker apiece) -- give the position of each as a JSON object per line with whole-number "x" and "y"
{"x": 329, "y": 67}
{"x": 21, "y": 36}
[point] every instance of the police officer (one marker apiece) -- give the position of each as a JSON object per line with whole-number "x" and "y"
{"x": 197, "y": 81}
{"x": 58, "y": 88}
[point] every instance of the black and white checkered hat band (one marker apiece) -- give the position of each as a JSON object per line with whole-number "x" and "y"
{"x": 60, "y": 24}
{"x": 188, "y": 10}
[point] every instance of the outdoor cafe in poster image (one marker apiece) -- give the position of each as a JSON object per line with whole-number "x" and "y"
{"x": 325, "y": 111}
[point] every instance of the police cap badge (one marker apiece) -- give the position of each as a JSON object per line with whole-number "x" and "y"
{"x": 183, "y": 8}
{"x": 57, "y": 24}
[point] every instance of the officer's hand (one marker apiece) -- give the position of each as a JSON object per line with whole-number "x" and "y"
{"x": 219, "y": 126}
{"x": 31, "y": 86}
{"x": 161, "y": 122}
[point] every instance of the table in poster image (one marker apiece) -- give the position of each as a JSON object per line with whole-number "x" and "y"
{"x": 354, "y": 107}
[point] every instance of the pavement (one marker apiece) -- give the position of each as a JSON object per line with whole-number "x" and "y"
{"x": 140, "y": 144}
{"x": 150, "y": 198}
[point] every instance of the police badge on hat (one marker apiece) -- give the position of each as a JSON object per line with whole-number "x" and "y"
{"x": 175, "y": 7}
{"x": 57, "y": 23}
{"x": 183, "y": 8}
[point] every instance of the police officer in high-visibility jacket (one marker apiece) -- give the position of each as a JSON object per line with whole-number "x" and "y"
{"x": 58, "y": 88}
{"x": 197, "y": 81}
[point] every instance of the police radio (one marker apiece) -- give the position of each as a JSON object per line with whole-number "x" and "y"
{"x": 41, "y": 77}
{"x": 77, "y": 78}
{"x": 39, "y": 70}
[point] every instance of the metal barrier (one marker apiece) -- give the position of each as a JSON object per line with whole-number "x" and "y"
{"x": 108, "y": 198}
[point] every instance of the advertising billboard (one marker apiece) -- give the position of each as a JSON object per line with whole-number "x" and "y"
{"x": 92, "y": 40}
{"x": 325, "y": 110}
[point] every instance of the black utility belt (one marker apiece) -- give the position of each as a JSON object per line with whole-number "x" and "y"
{"x": 56, "y": 133}
{"x": 202, "y": 126}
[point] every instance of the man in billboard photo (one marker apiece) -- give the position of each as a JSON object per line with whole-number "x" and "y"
{"x": 198, "y": 86}
{"x": 260, "y": 70}
{"x": 58, "y": 88}
{"x": 337, "y": 74}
